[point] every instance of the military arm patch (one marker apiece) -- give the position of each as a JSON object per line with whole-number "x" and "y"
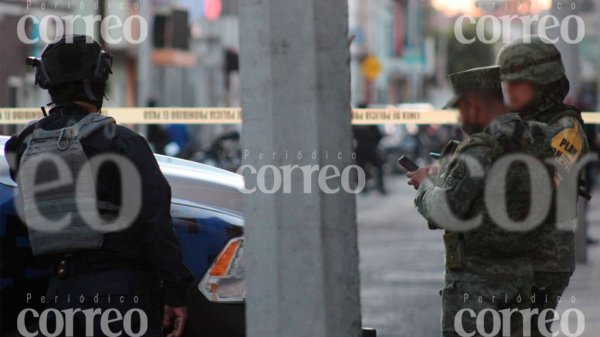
{"x": 567, "y": 146}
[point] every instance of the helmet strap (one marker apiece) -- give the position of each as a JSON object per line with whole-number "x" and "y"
{"x": 87, "y": 88}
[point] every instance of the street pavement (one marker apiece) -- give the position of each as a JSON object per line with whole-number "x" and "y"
{"x": 401, "y": 263}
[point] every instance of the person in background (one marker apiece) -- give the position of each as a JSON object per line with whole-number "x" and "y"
{"x": 367, "y": 139}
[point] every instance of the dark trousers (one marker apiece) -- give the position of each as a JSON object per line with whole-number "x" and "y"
{"x": 132, "y": 296}
{"x": 369, "y": 155}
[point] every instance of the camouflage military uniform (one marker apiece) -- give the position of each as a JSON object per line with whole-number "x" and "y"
{"x": 489, "y": 262}
{"x": 538, "y": 61}
{"x": 554, "y": 263}
{"x": 487, "y": 267}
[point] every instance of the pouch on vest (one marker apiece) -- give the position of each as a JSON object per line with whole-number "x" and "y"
{"x": 54, "y": 199}
{"x": 454, "y": 251}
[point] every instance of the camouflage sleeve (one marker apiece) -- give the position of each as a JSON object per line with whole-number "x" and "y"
{"x": 457, "y": 184}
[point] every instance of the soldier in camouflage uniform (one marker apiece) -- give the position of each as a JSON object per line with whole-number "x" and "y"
{"x": 535, "y": 83}
{"x": 486, "y": 267}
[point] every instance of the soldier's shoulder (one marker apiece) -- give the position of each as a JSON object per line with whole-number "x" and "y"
{"x": 113, "y": 136}
{"x": 568, "y": 127}
{"x": 565, "y": 116}
{"x": 477, "y": 142}
{"x": 566, "y": 121}
{"x": 129, "y": 140}
{"x": 478, "y": 146}
{"x": 112, "y": 132}
{"x": 15, "y": 141}
{"x": 508, "y": 125}
{"x": 124, "y": 132}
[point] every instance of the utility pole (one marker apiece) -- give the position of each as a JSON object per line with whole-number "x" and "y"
{"x": 144, "y": 62}
{"x": 144, "y": 54}
{"x": 569, "y": 51}
{"x": 301, "y": 247}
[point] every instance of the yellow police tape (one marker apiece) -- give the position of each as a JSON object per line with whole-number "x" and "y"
{"x": 169, "y": 115}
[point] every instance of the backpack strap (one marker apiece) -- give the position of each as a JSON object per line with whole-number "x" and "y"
{"x": 514, "y": 142}
{"x": 539, "y": 131}
{"x": 80, "y": 130}
{"x": 92, "y": 122}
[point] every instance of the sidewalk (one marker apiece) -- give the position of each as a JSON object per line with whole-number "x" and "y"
{"x": 585, "y": 283}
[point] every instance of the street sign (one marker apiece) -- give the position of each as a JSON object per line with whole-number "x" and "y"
{"x": 370, "y": 67}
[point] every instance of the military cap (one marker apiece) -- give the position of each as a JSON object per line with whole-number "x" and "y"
{"x": 531, "y": 58}
{"x": 483, "y": 78}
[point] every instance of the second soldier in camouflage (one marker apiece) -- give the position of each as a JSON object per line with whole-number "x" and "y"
{"x": 536, "y": 85}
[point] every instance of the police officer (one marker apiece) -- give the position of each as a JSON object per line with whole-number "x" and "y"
{"x": 534, "y": 80}
{"x": 96, "y": 203}
{"x": 486, "y": 265}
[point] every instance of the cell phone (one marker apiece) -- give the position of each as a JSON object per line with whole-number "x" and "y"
{"x": 408, "y": 164}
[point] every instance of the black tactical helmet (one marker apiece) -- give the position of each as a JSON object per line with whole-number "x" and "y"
{"x": 75, "y": 66}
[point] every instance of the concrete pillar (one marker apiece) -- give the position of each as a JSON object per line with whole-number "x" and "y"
{"x": 144, "y": 63}
{"x": 569, "y": 51}
{"x": 144, "y": 58}
{"x": 301, "y": 248}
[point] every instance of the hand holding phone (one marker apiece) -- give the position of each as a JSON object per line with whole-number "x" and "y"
{"x": 407, "y": 164}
